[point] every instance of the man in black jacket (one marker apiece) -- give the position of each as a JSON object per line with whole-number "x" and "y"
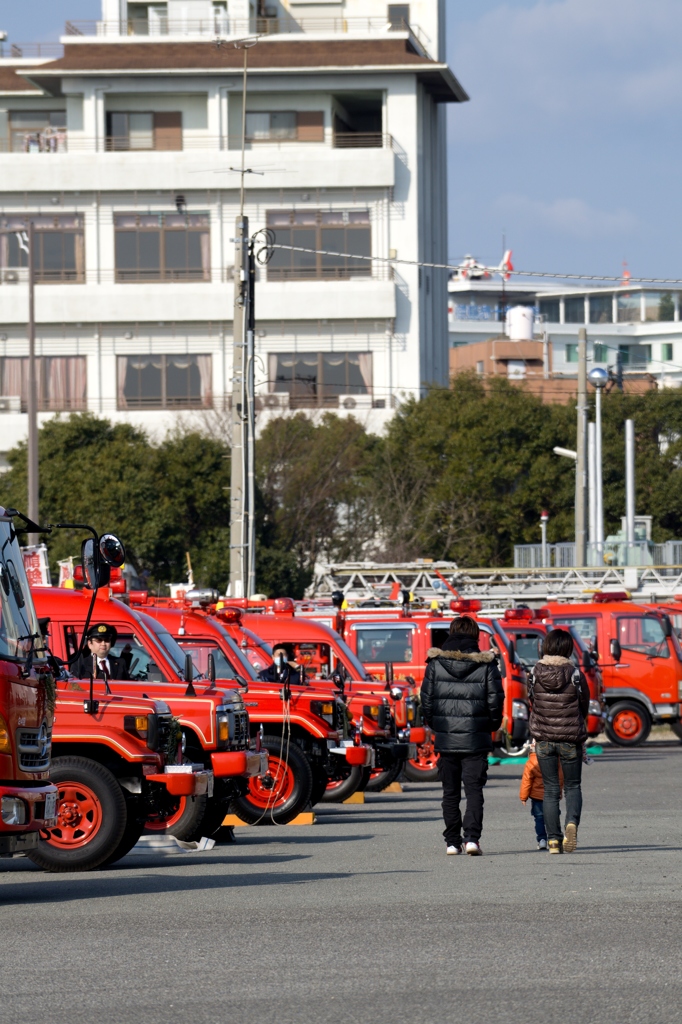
{"x": 462, "y": 700}
{"x": 100, "y": 639}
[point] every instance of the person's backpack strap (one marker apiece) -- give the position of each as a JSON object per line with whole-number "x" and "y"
{"x": 531, "y": 684}
{"x": 575, "y": 679}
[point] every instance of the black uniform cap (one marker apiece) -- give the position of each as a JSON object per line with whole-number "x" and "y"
{"x": 102, "y": 631}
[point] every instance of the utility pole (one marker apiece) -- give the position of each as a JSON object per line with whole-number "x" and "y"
{"x": 33, "y": 480}
{"x": 630, "y": 489}
{"x": 242, "y": 480}
{"x": 581, "y": 445}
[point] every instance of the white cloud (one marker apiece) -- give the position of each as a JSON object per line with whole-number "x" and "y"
{"x": 568, "y": 61}
{"x": 571, "y": 217}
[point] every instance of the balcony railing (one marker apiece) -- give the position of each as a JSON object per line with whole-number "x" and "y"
{"x": 60, "y": 140}
{"x": 238, "y": 27}
{"x": 24, "y": 51}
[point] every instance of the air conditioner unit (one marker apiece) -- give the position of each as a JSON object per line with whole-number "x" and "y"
{"x": 356, "y": 402}
{"x": 276, "y": 400}
{"x": 10, "y": 403}
{"x": 11, "y": 277}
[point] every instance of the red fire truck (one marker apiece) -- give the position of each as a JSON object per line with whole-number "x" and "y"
{"x": 214, "y": 719}
{"x": 28, "y": 800}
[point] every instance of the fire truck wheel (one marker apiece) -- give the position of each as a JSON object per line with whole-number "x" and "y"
{"x": 283, "y": 792}
{"x": 182, "y": 818}
{"x": 91, "y": 817}
{"x": 375, "y": 779}
{"x": 212, "y": 821}
{"x": 133, "y": 830}
{"x": 424, "y": 767}
{"x": 320, "y": 783}
{"x": 339, "y": 790}
{"x": 628, "y": 723}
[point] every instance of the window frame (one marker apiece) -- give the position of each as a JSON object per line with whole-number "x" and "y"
{"x": 312, "y": 221}
{"x": 10, "y": 225}
{"x": 163, "y": 274}
{"x": 125, "y": 402}
{"x": 318, "y": 393}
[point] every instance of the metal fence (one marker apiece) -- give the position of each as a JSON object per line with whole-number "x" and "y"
{"x": 615, "y": 553}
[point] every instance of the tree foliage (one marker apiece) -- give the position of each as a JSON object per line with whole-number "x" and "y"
{"x": 462, "y": 474}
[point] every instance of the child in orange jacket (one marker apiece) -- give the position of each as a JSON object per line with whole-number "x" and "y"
{"x": 533, "y": 787}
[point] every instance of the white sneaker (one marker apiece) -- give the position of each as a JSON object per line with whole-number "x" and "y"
{"x": 454, "y": 851}
{"x": 473, "y": 849}
{"x": 542, "y": 844}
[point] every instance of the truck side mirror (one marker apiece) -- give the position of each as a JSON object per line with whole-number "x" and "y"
{"x": 211, "y": 668}
{"x": 587, "y": 661}
{"x": 189, "y": 668}
{"x": 667, "y": 625}
{"x": 616, "y": 652}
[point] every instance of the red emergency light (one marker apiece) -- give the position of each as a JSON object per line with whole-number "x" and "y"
{"x": 138, "y": 596}
{"x": 283, "y": 606}
{"x": 605, "y": 596}
{"x": 229, "y": 614}
{"x": 523, "y": 614}
{"x": 542, "y": 613}
{"x": 465, "y": 604}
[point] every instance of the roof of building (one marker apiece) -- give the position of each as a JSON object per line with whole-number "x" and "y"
{"x": 12, "y": 79}
{"x": 299, "y": 54}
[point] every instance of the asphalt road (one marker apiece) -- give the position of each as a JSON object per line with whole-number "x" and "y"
{"x": 362, "y": 918}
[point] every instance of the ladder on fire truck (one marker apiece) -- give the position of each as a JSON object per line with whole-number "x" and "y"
{"x": 442, "y": 581}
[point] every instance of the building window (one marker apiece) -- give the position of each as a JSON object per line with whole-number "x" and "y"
{"x": 339, "y": 231}
{"x": 61, "y": 382}
{"x": 59, "y": 254}
{"x": 399, "y": 17}
{"x": 574, "y": 310}
{"x": 35, "y": 131}
{"x": 549, "y": 308}
{"x": 629, "y": 309}
{"x": 320, "y": 378}
{"x": 666, "y": 307}
{"x": 134, "y": 130}
{"x": 162, "y": 247}
{"x": 600, "y": 352}
{"x": 601, "y": 309}
{"x": 667, "y": 351}
{"x": 635, "y": 355}
{"x": 571, "y": 354}
{"x": 479, "y": 366}
{"x": 285, "y": 126}
{"x": 165, "y": 382}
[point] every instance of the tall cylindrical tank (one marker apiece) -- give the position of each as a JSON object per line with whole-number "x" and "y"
{"x": 519, "y": 323}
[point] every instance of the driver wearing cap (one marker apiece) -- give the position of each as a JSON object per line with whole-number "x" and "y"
{"x": 98, "y": 658}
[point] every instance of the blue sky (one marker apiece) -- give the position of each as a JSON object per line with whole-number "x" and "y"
{"x": 569, "y": 144}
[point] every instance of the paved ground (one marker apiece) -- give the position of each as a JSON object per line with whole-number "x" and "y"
{"x": 362, "y": 918}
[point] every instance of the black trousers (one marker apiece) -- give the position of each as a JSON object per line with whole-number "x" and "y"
{"x": 472, "y": 770}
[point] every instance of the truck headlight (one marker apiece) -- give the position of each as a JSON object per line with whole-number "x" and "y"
{"x": 146, "y": 727}
{"x": 5, "y": 742}
{"x": 594, "y": 708}
{"x": 323, "y": 709}
{"x": 13, "y": 811}
{"x": 223, "y": 729}
{"x": 519, "y": 710}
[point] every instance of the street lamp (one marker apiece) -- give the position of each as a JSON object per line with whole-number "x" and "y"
{"x": 598, "y": 378}
{"x": 544, "y": 516}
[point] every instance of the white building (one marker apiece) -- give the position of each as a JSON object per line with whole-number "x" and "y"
{"x": 121, "y": 153}
{"x": 629, "y": 325}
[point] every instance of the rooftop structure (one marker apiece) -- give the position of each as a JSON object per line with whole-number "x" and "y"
{"x": 122, "y": 150}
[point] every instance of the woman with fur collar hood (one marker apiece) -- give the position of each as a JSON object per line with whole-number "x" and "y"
{"x": 462, "y": 700}
{"x": 560, "y": 700}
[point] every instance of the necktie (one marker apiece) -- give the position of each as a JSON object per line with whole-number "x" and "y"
{"x": 103, "y": 667}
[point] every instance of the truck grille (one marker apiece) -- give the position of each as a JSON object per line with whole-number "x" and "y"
{"x": 34, "y": 746}
{"x": 239, "y": 730}
{"x": 163, "y": 734}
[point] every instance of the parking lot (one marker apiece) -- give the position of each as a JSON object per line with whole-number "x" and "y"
{"x": 363, "y": 918}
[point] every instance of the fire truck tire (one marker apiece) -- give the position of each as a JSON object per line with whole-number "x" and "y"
{"x": 186, "y": 818}
{"x": 628, "y": 724}
{"x": 416, "y": 773}
{"x": 133, "y": 830}
{"x": 320, "y": 783}
{"x": 289, "y": 792}
{"x": 91, "y": 817}
{"x": 677, "y": 729}
{"x": 338, "y": 791}
{"x": 212, "y": 821}
{"x": 375, "y": 781}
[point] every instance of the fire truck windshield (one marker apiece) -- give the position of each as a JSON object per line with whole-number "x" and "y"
{"x": 19, "y": 629}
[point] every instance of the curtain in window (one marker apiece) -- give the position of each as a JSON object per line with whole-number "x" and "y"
{"x": 365, "y": 363}
{"x": 122, "y": 374}
{"x": 272, "y": 372}
{"x": 13, "y": 377}
{"x": 206, "y": 255}
{"x": 206, "y": 374}
{"x": 66, "y": 381}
